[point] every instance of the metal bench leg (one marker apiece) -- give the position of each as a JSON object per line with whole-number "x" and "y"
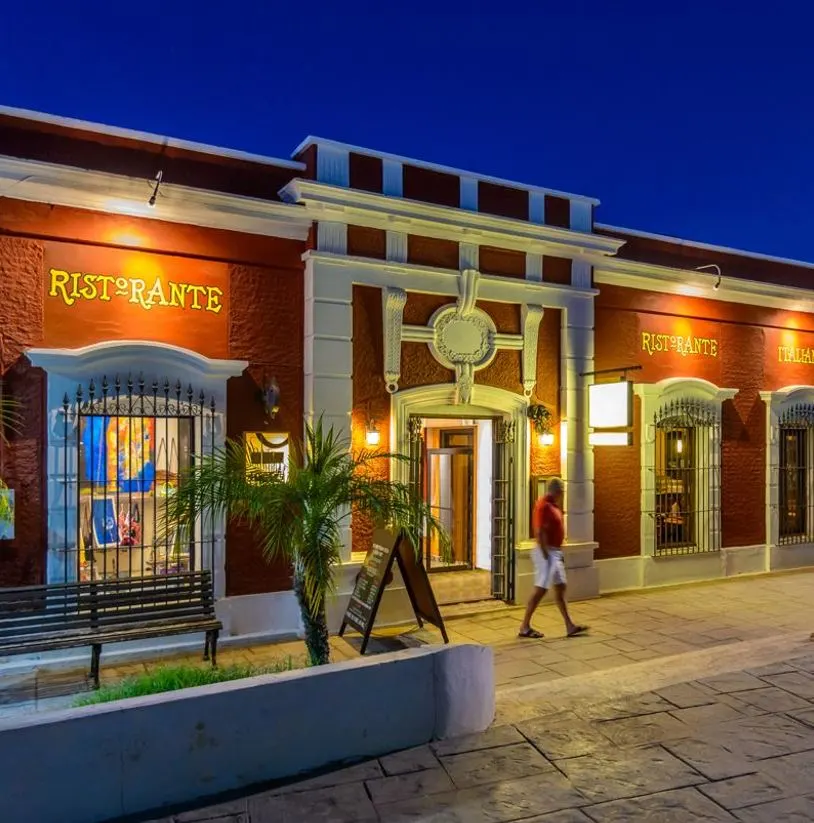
{"x": 213, "y": 647}
{"x": 206, "y": 647}
{"x": 96, "y": 654}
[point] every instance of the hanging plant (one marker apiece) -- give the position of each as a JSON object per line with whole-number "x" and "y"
{"x": 540, "y": 418}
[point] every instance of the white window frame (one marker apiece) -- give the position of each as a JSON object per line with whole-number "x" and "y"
{"x": 653, "y": 397}
{"x": 778, "y": 402}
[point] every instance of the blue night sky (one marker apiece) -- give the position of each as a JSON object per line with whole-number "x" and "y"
{"x": 695, "y": 121}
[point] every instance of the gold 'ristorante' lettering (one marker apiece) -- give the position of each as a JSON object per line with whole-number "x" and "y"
{"x": 73, "y": 286}
{"x": 685, "y": 345}
{"x": 795, "y": 354}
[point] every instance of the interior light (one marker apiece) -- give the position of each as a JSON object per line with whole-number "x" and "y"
{"x": 679, "y": 445}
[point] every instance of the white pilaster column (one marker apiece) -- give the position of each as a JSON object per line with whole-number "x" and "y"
{"x": 577, "y": 358}
{"x": 328, "y": 389}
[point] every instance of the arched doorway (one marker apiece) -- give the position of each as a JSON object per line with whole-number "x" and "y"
{"x": 470, "y": 463}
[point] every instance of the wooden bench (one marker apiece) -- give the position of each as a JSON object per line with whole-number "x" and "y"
{"x": 67, "y": 615}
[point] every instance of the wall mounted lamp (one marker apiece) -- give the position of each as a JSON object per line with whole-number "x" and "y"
{"x": 154, "y": 196}
{"x": 270, "y": 397}
{"x": 717, "y": 284}
{"x": 546, "y": 438}
{"x": 372, "y": 434}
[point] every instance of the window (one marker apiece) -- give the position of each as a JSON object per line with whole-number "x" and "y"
{"x": 133, "y": 443}
{"x": 796, "y": 524}
{"x": 685, "y": 512}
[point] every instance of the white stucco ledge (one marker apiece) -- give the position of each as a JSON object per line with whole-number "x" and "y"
{"x": 149, "y": 753}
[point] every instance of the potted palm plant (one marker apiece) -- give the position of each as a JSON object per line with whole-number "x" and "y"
{"x": 11, "y": 421}
{"x": 300, "y": 515}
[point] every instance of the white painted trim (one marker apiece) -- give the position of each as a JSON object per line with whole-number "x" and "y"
{"x": 116, "y": 194}
{"x": 360, "y": 208}
{"x": 653, "y": 397}
{"x": 776, "y": 403}
{"x": 487, "y": 401}
{"x": 127, "y": 354}
{"x": 429, "y": 280}
{"x": 396, "y": 158}
{"x": 66, "y": 369}
{"x": 706, "y": 246}
{"x": 147, "y": 137}
{"x": 691, "y": 283}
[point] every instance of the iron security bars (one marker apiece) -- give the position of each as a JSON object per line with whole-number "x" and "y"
{"x": 796, "y": 523}
{"x": 129, "y": 443}
{"x": 686, "y": 478}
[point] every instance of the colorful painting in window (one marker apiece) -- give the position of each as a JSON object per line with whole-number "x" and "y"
{"x": 120, "y": 452}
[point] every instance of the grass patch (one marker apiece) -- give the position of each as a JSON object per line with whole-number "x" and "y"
{"x": 172, "y": 678}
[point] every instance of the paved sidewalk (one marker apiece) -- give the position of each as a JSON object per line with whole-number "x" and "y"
{"x": 730, "y": 746}
{"x": 625, "y": 629}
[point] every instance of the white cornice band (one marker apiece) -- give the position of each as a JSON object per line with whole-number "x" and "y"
{"x": 350, "y": 207}
{"x": 115, "y": 194}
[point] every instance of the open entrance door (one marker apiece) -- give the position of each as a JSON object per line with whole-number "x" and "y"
{"x": 503, "y": 497}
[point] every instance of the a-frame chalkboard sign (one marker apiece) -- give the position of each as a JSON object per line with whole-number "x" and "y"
{"x": 374, "y": 576}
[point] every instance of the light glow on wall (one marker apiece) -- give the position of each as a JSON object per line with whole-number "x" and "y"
{"x": 609, "y": 405}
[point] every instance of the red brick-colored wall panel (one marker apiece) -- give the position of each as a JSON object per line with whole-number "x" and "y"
{"x": 686, "y": 256}
{"x": 504, "y": 262}
{"x": 39, "y": 221}
{"x": 127, "y": 156}
{"x": 429, "y": 251}
{"x": 420, "y": 368}
{"x": 366, "y": 173}
{"x": 617, "y": 496}
{"x": 557, "y": 270}
{"x": 545, "y": 460}
{"x": 309, "y": 158}
{"x": 276, "y": 352}
{"x": 503, "y": 372}
{"x": 420, "y": 307}
{"x": 503, "y": 201}
{"x": 22, "y": 560}
{"x": 506, "y": 316}
{"x": 557, "y": 211}
{"x": 739, "y": 363}
{"x": 431, "y": 186}
{"x": 364, "y": 242}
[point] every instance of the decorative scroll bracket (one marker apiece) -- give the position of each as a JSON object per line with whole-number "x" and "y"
{"x": 531, "y": 318}
{"x": 393, "y": 302}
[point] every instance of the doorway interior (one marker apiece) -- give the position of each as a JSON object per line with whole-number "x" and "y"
{"x": 457, "y": 480}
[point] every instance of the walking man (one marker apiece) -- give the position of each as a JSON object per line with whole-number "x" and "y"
{"x": 549, "y": 564}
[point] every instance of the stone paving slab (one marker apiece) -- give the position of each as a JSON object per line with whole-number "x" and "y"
{"x": 692, "y": 752}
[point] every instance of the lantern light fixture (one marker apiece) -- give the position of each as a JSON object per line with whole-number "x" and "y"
{"x": 546, "y": 438}
{"x": 717, "y": 284}
{"x": 372, "y": 434}
{"x": 154, "y": 196}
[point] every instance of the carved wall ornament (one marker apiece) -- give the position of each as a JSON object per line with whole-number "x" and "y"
{"x": 461, "y": 337}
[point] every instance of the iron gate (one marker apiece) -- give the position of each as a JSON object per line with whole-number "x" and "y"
{"x": 796, "y": 523}
{"x": 125, "y": 444}
{"x": 503, "y": 510}
{"x": 685, "y": 473}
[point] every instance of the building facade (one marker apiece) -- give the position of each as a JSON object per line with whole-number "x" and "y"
{"x": 160, "y": 297}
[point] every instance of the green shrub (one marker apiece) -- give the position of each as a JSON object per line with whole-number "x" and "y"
{"x": 172, "y": 678}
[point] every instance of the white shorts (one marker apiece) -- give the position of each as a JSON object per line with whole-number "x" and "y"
{"x": 548, "y": 572}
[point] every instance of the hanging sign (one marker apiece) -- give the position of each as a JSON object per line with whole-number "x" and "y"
{"x": 374, "y": 576}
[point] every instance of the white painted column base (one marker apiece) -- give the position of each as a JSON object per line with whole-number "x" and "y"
{"x": 583, "y": 577}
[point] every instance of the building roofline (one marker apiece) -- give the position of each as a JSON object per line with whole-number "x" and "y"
{"x": 147, "y": 137}
{"x": 678, "y": 241}
{"x": 498, "y": 181}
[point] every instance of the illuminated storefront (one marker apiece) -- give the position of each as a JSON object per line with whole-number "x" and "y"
{"x": 489, "y": 331}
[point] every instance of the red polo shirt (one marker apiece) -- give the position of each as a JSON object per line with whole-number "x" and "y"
{"x": 548, "y": 519}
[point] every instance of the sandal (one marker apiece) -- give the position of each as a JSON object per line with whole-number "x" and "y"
{"x": 577, "y": 630}
{"x": 532, "y": 634}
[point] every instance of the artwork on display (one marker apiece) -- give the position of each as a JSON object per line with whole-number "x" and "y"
{"x": 6, "y": 513}
{"x": 119, "y": 452}
{"x": 105, "y": 524}
{"x": 267, "y": 452}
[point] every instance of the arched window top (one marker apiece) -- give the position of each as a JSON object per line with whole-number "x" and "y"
{"x": 687, "y": 411}
{"x": 683, "y": 389}
{"x": 797, "y": 416}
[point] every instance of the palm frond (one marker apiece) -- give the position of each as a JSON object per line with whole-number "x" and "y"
{"x": 11, "y": 415}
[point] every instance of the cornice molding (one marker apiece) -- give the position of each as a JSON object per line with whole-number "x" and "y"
{"x": 633, "y": 274}
{"x": 115, "y": 194}
{"x": 428, "y": 280}
{"x": 340, "y": 205}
